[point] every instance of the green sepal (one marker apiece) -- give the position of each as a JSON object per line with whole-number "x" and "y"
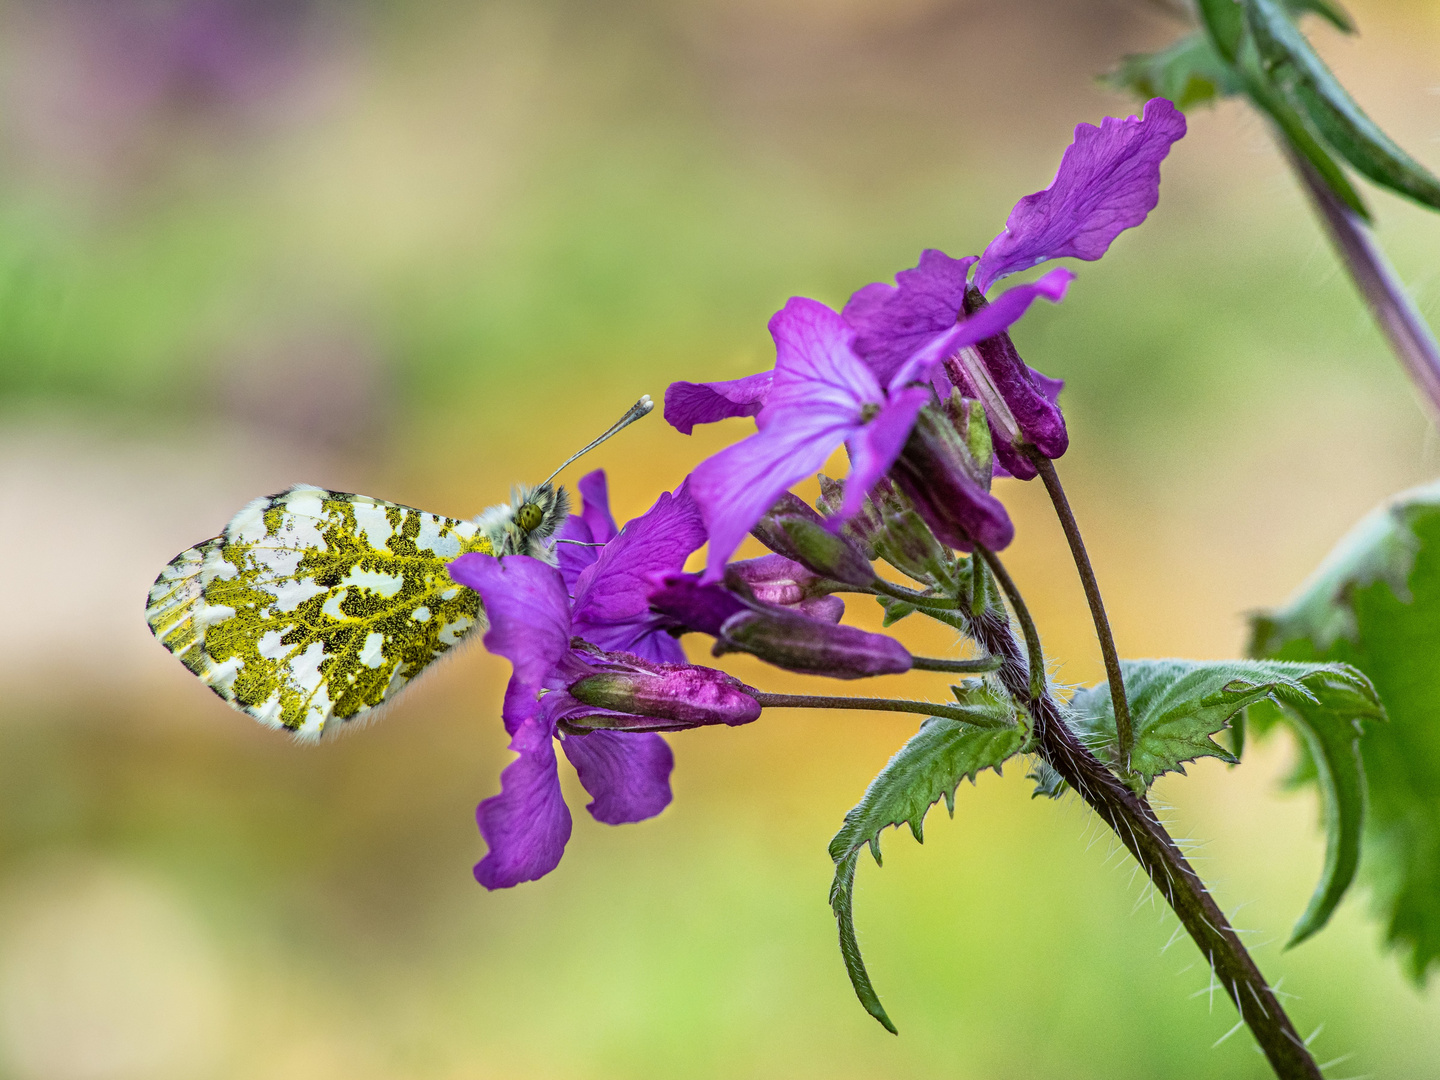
{"x": 895, "y": 610}
{"x": 928, "y": 768}
{"x": 1296, "y": 69}
{"x": 1375, "y": 603}
{"x": 1190, "y": 72}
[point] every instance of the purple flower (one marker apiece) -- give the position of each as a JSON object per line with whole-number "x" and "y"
{"x": 553, "y": 645}
{"x": 822, "y": 396}
{"x": 783, "y": 636}
{"x": 1108, "y": 181}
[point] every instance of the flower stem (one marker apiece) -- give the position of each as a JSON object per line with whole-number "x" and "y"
{"x": 910, "y": 596}
{"x": 924, "y": 708}
{"x": 1124, "y": 732}
{"x": 1400, "y": 321}
{"x": 978, "y": 666}
{"x": 1135, "y": 823}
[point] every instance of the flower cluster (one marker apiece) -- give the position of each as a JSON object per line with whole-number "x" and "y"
{"x": 921, "y": 384}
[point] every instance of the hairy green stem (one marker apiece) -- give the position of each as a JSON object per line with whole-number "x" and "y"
{"x": 1124, "y": 732}
{"x": 1410, "y": 337}
{"x": 978, "y": 666}
{"x": 923, "y": 708}
{"x": 1134, "y": 822}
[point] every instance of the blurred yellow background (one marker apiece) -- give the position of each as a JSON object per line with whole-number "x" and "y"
{"x": 425, "y": 250}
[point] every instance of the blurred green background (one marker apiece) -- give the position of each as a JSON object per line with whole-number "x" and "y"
{"x": 424, "y": 250}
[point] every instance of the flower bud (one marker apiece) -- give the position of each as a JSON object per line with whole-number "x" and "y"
{"x": 905, "y": 541}
{"x": 947, "y": 484}
{"x": 796, "y": 642}
{"x": 774, "y": 579}
{"x": 1019, "y": 401}
{"x": 769, "y": 531}
{"x": 825, "y": 552}
{"x": 681, "y": 695}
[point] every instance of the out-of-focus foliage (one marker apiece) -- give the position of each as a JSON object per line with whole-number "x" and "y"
{"x": 1375, "y": 603}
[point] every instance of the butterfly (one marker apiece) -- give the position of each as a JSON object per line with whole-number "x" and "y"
{"x": 316, "y": 606}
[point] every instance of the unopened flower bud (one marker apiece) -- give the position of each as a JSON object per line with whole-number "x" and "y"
{"x": 825, "y": 552}
{"x": 679, "y": 695}
{"x": 906, "y": 542}
{"x": 774, "y": 579}
{"x": 795, "y": 642}
{"x": 948, "y": 486}
{"x": 772, "y": 534}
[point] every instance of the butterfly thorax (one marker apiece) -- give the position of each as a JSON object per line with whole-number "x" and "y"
{"x": 525, "y": 524}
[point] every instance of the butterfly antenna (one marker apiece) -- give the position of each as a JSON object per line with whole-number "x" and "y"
{"x": 635, "y": 412}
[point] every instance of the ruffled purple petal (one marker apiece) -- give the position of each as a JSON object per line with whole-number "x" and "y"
{"x": 874, "y": 448}
{"x": 816, "y": 368}
{"x": 527, "y": 825}
{"x": 688, "y": 403}
{"x": 1108, "y": 181}
{"x": 891, "y": 322}
{"x": 612, "y": 598}
{"x": 996, "y": 318}
{"x": 529, "y": 612}
{"x": 628, "y": 775}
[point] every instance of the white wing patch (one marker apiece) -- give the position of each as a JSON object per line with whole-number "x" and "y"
{"x": 316, "y": 605}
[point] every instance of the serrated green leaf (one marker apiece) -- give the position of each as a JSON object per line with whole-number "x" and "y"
{"x": 928, "y": 768}
{"x": 1048, "y": 783}
{"x": 1331, "y": 729}
{"x": 1176, "y": 705}
{"x": 1375, "y": 603}
{"x": 1190, "y": 72}
{"x": 1299, "y": 73}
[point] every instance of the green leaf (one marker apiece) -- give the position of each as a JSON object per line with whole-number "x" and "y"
{"x": 1334, "y": 14}
{"x": 1294, "y": 127}
{"x": 1375, "y": 603}
{"x": 1190, "y": 72}
{"x": 1048, "y": 783}
{"x": 1224, "y": 23}
{"x": 928, "y": 768}
{"x": 1176, "y": 705}
{"x": 1297, "y": 70}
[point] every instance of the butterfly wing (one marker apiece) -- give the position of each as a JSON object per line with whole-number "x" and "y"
{"x": 316, "y": 605}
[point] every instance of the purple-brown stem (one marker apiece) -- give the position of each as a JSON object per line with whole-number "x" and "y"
{"x": 1134, "y": 822}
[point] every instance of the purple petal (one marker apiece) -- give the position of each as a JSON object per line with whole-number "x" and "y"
{"x": 573, "y": 551}
{"x": 738, "y": 485}
{"x": 612, "y": 598}
{"x": 627, "y": 774}
{"x": 527, "y": 825}
{"x": 774, "y": 579}
{"x": 595, "y": 506}
{"x": 688, "y": 403}
{"x": 874, "y": 448}
{"x": 996, "y": 318}
{"x": 529, "y": 612}
{"x": 891, "y": 322}
{"x": 816, "y": 368}
{"x": 829, "y": 609}
{"x": 1108, "y": 181}
{"x": 684, "y": 599}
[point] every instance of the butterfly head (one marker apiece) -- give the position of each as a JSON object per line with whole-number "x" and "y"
{"x": 525, "y": 524}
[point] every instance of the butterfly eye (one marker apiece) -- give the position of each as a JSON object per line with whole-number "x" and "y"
{"x": 528, "y": 517}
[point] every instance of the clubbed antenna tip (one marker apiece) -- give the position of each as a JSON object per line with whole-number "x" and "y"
{"x": 643, "y": 407}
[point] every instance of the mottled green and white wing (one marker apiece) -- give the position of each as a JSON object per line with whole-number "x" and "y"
{"x": 316, "y": 606}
